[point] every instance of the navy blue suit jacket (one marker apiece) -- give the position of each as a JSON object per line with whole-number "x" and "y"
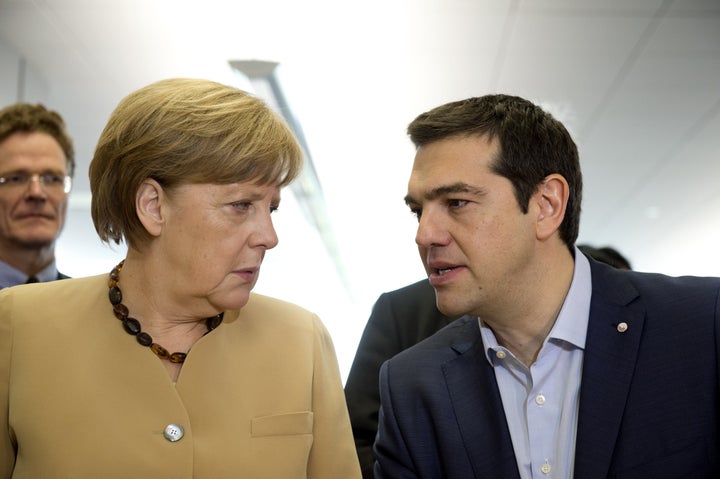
{"x": 649, "y": 396}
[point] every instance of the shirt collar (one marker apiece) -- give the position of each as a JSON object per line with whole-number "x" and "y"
{"x": 572, "y": 321}
{"x": 10, "y": 276}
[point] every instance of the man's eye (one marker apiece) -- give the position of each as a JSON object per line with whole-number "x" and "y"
{"x": 17, "y": 179}
{"x": 241, "y": 205}
{"x": 456, "y": 203}
{"x": 52, "y": 179}
{"x": 416, "y": 212}
{"x": 274, "y": 208}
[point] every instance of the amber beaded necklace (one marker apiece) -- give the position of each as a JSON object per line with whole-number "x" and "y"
{"x": 132, "y": 325}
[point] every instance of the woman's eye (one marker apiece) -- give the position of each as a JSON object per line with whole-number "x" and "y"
{"x": 241, "y": 205}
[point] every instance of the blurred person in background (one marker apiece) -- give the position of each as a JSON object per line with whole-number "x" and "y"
{"x": 37, "y": 162}
{"x": 607, "y": 255}
{"x": 399, "y": 319}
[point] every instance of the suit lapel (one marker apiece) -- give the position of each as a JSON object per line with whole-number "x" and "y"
{"x": 476, "y": 401}
{"x": 610, "y": 356}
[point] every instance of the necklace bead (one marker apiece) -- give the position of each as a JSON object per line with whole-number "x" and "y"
{"x": 132, "y": 326}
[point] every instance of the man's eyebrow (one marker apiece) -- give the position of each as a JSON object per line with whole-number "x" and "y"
{"x": 445, "y": 190}
{"x": 26, "y": 171}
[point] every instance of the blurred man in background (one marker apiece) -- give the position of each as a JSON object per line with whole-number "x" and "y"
{"x": 36, "y": 167}
{"x": 399, "y": 319}
{"x": 607, "y": 255}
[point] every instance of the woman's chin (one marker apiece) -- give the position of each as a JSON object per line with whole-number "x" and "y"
{"x": 234, "y": 300}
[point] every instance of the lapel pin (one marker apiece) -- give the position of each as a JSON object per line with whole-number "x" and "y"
{"x": 622, "y": 327}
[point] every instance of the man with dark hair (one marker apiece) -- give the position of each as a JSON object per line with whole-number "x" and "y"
{"x": 561, "y": 366}
{"x": 36, "y": 167}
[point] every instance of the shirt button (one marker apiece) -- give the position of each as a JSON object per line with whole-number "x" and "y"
{"x": 500, "y": 354}
{"x": 546, "y": 468}
{"x": 173, "y": 432}
{"x": 539, "y": 399}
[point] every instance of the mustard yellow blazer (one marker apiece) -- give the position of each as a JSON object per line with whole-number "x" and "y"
{"x": 259, "y": 397}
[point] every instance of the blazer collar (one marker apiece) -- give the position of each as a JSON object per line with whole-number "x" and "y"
{"x": 613, "y": 338}
{"x": 476, "y": 401}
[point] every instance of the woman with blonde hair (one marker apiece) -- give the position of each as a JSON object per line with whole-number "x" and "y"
{"x": 169, "y": 366}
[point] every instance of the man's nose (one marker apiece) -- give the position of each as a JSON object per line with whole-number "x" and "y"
{"x": 36, "y": 187}
{"x": 430, "y": 231}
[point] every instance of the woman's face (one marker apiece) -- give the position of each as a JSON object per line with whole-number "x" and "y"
{"x": 213, "y": 240}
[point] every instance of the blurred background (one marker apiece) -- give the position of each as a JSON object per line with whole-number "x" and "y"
{"x": 637, "y": 82}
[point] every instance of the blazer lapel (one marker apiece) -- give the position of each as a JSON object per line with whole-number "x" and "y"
{"x": 614, "y": 330}
{"x": 476, "y": 401}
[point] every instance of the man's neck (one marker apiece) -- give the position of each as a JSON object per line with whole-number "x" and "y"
{"x": 28, "y": 260}
{"x": 523, "y": 328}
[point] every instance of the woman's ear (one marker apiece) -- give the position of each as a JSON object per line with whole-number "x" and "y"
{"x": 149, "y": 206}
{"x": 552, "y": 197}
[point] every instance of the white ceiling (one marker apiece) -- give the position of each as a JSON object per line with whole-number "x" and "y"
{"x": 636, "y": 81}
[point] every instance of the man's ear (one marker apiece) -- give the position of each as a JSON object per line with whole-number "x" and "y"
{"x": 551, "y": 198}
{"x": 149, "y": 202}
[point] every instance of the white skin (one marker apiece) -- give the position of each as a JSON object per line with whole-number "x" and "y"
{"x": 482, "y": 254}
{"x": 31, "y": 218}
{"x": 208, "y": 242}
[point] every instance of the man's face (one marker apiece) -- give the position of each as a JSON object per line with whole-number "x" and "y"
{"x": 31, "y": 215}
{"x": 473, "y": 238}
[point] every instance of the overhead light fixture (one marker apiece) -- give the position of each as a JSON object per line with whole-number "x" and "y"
{"x": 307, "y": 189}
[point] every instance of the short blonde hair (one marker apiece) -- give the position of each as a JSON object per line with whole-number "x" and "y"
{"x": 181, "y": 131}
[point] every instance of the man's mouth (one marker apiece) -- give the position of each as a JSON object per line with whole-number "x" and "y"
{"x": 35, "y": 215}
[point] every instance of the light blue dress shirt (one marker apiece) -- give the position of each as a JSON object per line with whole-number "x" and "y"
{"x": 10, "y": 276}
{"x": 541, "y": 402}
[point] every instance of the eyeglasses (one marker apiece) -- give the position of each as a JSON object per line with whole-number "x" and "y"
{"x": 51, "y": 182}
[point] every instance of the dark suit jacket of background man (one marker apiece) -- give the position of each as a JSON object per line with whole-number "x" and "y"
{"x": 399, "y": 319}
{"x": 648, "y": 398}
